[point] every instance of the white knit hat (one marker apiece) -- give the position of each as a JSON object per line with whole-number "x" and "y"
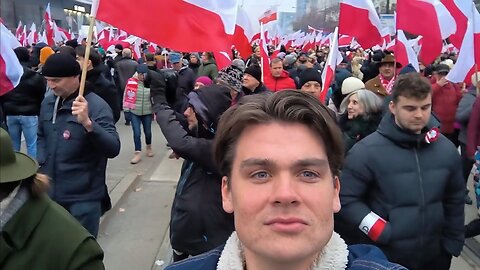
{"x": 352, "y": 84}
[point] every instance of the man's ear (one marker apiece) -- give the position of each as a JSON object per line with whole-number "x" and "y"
{"x": 391, "y": 107}
{"x": 336, "y": 198}
{"x": 227, "y": 195}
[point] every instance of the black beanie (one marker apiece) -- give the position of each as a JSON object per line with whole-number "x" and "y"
{"x": 22, "y": 54}
{"x": 310, "y": 74}
{"x": 61, "y": 65}
{"x": 255, "y": 71}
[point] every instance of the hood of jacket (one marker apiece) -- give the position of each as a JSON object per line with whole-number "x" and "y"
{"x": 389, "y": 129}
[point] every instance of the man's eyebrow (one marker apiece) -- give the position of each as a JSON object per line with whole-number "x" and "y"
{"x": 269, "y": 163}
{"x": 311, "y": 162}
{"x": 256, "y": 162}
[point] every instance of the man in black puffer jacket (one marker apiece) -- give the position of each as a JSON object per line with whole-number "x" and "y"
{"x": 198, "y": 222}
{"x": 21, "y": 106}
{"x": 402, "y": 186}
{"x": 101, "y": 86}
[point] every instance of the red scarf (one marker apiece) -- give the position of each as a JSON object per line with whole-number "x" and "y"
{"x": 387, "y": 84}
{"x": 130, "y": 97}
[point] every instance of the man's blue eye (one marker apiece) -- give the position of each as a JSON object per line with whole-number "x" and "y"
{"x": 260, "y": 175}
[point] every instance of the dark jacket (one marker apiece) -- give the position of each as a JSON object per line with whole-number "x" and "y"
{"x": 25, "y": 99}
{"x": 417, "y": 187}
{"x": 105, "y": 89}
{"x": 186, "y": 81}
{"x": 208, "y": 69}
{"x": 198, "y": 222}
{"x": 356, "y": 129}
{"x": 74, "y": 159}
{"x": 360, "y": 257}
{"x": 43, "y": 235}
{"x": 464, "y": 110}
{"x": 473, "y": 136}
{"x": 195, "y": 68}
{"x": 124, "y": 70}
{"x": 261, "y": 89}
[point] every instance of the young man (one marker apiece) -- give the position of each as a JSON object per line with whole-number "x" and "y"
{"x": 402, "y": 186}
{"x": 278, "y": 79}
{"x": 283, "y": 192}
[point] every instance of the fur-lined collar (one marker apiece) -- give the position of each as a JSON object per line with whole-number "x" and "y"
{"x": 334, "y": 256}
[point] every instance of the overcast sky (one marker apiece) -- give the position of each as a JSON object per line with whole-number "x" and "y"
{"x": 255, "y": 8}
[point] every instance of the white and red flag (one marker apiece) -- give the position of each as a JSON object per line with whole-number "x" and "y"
{"x": 404, "y": 53}
{"x": 265, "y": 59}
{"x": 435, "y": 25}
{"x": 19, "y": 30}
{"x": 243, "y": 34}
{"x": 32, "y": 37}
{"x": 223, "y": 59}
{"x": 23, "y": 36}
{"x": 268, "y": 16}
{"x": 49, "y": 26}
{"x": 199, "y": 25}
{"x": 10, "y": 68}
{"x": 461, "y": 10}
{"x": 359, "y": 19}
{"x": 469, "y": 51}
{"x": 334, "y": 58}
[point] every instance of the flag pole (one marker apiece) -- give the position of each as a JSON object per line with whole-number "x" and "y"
{"x": 261, "y": 48}
{"x": 83, "y": 77}
{"x": 474, "y": 49}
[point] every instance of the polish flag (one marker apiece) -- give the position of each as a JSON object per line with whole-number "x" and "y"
{"x": 404, "y": 53}
{"x": 436, "y": 24}
{"x": 58, "y": 35}
{"x": 265, "y": 59}
{"x": 199, "y": 25}
{"x": 345, "y": 40}
{"x": 23, "y": 36}
{"x": 461, "y": 10}
{"x": 243, "y": 34}
{"x": 359, "y": 19}
{"x": 49, "y": 26}
{"x": 104, "y": 38}
{"x": 19, "y": 30}
{"x": 33, "y": 35}
{"x": 223, "y": 59}
{"x": 10, "y": 68}
{"x": 121, "y": 34}
{"x": 469, "y": 51}
{"x": 268, "y": 16}
{"x": 334, "y": 58}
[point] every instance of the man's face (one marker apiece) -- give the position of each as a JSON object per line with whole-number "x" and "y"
{"x": 312, "y": 87}
{"x": 191, "y": 118}
{"x": 177, "y": 66}
{"x": 64, "y": 86}
{"x": 412, "y": 114}
{"x": 302, "y": 59}
{"x": 193, "y": 59}
{"x": 250, "y": 82}
{"x": 257, "y": 52}
{"x": 204, "y": 57}
{"x": 276, "y": 69}
{"x": 290, "y": 217}
{"x": 387, "y": 70}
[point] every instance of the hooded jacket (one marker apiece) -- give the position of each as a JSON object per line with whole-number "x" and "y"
{"x": 25, "y": 99}
{"x": 417, "y": 187}
{"x": 105, "y": 89}
{"x": 283, "y": 82}
{"x": 198, "y": 222}
{"x": 464, "y": 110}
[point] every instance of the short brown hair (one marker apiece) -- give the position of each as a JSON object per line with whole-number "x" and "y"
{"x": 275, "y": 60}
{"x": 286, "y": 106}
{"x": 411, "y": 85}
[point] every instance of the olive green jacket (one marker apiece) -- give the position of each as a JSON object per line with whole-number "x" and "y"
{"x": 208, "y": 69}
{"x": 44, "y": 236}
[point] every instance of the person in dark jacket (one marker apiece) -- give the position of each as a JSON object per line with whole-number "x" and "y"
{"x": 76, "y": 136}
{"x": 35, "y": 231}
{"x": 198, "y": 222}
{"x": 21, "y": 106}
{"x": 103, "y": 87}
{"x": 194, "y": 62}
{"x": 402, "y": 186}
{"x": 252, "y": 81}
{"x": 124, "y": 70}
{"x": 283, "y": 192}
{"x": 186, "y": 82}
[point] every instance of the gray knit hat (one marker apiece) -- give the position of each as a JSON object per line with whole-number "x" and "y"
{"x": 232, "y": 76}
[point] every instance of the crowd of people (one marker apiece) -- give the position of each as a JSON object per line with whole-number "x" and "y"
{"x": 272, "y": 175}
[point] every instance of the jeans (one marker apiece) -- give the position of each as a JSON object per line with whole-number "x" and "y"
{"x": 87, "y": 213}
{"x": 28, "y": 125}
{"x": 146, "y": 121}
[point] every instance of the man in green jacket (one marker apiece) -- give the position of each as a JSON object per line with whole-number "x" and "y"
{"x": 35, "y": 232}
{"x": 208, "y": 67}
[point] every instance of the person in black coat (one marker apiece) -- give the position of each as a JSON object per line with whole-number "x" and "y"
{"x": 198, "y": 221}
{"x": 252, "y": 81}
{"x": 101, "y": 86}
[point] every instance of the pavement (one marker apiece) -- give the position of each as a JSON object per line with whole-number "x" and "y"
{"x": 134, "y": 234}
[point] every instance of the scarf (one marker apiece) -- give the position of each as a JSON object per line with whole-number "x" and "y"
{"x": 334, "y": 255}
{"x": 130, "y": 96}
{"x": 387, "y": 84}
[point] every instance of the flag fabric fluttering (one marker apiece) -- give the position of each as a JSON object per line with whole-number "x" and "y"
{"x": 334, "y": 58}
{"x": 11, "y": 70}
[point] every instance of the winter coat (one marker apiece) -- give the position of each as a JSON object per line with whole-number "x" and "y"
{"x": 105, "y": 88}
{"x": 75, "y": 160}
{"x": 261, "y": 89}
{"x": 360, "y": 257}
{"x": 198, "y": 222}
{"x": 444, "y": 104}
{"x": 473, "y": 133}
{"x": 283, "y": 82}
{"x": 43, "y": 235}
{"x": 356, "y": 129}
{"x": 194, "y": 68}
{"x": 186, "y": 81}
{"x": 208, "y": 69}
{"x": 464, "y": 110}
{"x": 376, "y": 86}
{"x": 124, "y": 70}
{"x": 25, "y": 99}
{"x": 417, "y": 187}
{"x": 143, "y": 103}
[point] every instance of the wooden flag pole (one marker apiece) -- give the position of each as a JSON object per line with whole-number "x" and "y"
{"x": 83, "y": 77}
{"x": 261, "y": 48}
{"x": 475, "y": 49}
